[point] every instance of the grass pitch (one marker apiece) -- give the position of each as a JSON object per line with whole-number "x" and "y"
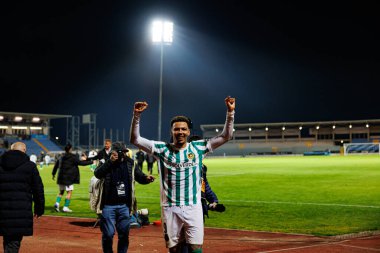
{"x": 324, "y": 195}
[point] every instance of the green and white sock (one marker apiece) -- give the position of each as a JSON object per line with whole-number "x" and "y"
{"x": 67, "y": 202}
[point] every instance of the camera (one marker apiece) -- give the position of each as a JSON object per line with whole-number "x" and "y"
{"x": 217, "y": 208}
{"x": 120, "y": 149}
{"x": 120, "y": 155}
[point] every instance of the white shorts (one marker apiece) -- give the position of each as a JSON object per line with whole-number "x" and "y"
{"x": 67, "y": 188}
{"x": 182, "y": 223}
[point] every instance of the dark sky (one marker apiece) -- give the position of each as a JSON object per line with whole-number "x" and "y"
{"x": 283, "y": 61}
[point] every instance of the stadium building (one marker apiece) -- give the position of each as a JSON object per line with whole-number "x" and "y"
{"x": 309, "y": 138}
{"x": 31, "y": 128}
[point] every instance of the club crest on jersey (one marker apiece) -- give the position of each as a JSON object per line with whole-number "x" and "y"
{"x": 190, "y": 155}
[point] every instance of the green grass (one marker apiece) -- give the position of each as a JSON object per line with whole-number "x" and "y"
{"x": 326, "y": 195}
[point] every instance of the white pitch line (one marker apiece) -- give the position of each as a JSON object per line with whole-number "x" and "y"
{"x": 303, "y": 203}
{"x": 296, "y": 248}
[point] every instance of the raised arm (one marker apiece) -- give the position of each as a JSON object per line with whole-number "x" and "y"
{"x": 227, "y": 132}
{"x": 135, "y": 137}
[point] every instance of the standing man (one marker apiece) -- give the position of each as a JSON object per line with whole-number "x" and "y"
{"x": 20, "y": 186}
{"x": 119, "y": 176}
{"x": 68, "y": 175}
{"x": 140, "y": 157}
{"x": 180, "y": 168}
{"x": 150, "y": 160}
{"x": 105, "y": 153}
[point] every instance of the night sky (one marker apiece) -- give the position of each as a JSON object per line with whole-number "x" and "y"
{"x": 283, "y": 61}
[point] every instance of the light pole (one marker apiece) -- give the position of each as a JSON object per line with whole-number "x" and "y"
{"x": 162, "y": 34}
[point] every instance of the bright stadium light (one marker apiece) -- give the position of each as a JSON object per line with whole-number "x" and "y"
{"x": 300, "y": 128}
{"x": 1, "y": 117}
{"x": 162, "y": 33}
{"x": 217, "y": 130}
{"x": 333, "y": 127}
{"x": 36, "y": 119}
{"x": 266, "y": 129}
{"x": 350, "y": 126}
{"x": 250, "y": 129}
{"x": 283, "y": 128}
{"x": 18, "y": 118}
{"x": 367, "y": 125}
{"x": 317, "y": 127}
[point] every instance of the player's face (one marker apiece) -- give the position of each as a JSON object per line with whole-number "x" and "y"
{"x": 180, "y": 132}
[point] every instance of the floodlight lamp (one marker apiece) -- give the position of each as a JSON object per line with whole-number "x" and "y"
{"x": 162, "y": 32}
{"x": 57, "y": 138}
{"x": 18, "y": 118}
{"x": 250, "y": 129}
{"x": 350, "y": 126}
{"x": 341, "y": 141}
{"x": 217, "y": 130}
{"x": 233, "y": 130}
{"x": 300, "y": 128}
{"x": 266, "y": 129}
{"x": 317, "y": 127}
{"x": 1, "y": 117}
{"x": 333, "y": 127}
{"x": 283, "y": 128}
{"x": 366, "y": 125}
{"x": 36, "y": 119}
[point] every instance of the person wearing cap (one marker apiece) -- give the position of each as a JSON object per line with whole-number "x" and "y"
{"x": 117, "y": 201}
{"x": 20, "y": 187}
{"x": 180, "y": 169}
{"x": 68, "y": 175}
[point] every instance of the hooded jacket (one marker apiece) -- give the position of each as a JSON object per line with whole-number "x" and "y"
{"x": 20, "y": 185}
{"x": 68, "y": 171}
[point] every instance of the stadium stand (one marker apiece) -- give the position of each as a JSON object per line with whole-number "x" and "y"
{"x": 288, "y": 138}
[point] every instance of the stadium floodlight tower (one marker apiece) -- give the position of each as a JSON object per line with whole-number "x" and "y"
{"x": 162, "y": 34}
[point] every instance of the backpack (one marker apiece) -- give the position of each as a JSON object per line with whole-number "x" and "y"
{"x": 96, "y": 190}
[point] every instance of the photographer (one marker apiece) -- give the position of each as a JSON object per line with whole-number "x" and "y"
{"x": 119, "y": 175}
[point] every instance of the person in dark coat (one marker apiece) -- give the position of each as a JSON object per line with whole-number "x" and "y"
{"x": 68, "y": 175}
{"x": 117, "y": 201}
{"x": 140, "y": 157}
{"x": 20, "y": 186}
{"x": 150, "y": 161}
{"x": 105, "y": 153}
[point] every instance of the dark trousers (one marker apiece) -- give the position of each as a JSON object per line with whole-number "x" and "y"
{"x": 140, "y": 165}
{"x": 150, "y": 168}
{"x": 11, "y": 244}
{"x": 115, "y": 216}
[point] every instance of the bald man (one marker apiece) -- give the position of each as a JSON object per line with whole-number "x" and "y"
{"x": 20, "y": 179}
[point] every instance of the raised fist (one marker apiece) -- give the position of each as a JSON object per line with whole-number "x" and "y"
{"x": 140, "y": 106}
{"x": 230, "y": 103}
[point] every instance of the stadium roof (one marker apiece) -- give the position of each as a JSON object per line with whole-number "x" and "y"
{"x": 296, "y": 124}
{"x": 31, "y": 115}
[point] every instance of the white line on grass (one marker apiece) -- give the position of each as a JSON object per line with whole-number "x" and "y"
{"x": 302, "y": 203}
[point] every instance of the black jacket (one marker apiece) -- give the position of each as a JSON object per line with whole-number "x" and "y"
{"x": 20, "y": 185}
{"x": 107, "y": 171}
{"x": 102, "y": 154}
{"x": 68, "y": 171}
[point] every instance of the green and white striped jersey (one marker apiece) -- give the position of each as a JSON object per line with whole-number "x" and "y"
{"x": 180, "y": 172}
